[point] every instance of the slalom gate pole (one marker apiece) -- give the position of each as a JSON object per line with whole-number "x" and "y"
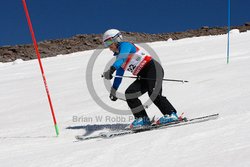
{"x": 171, "y": 80}
{"x": 40, "y": 63}
{"x": 228, "y": 31}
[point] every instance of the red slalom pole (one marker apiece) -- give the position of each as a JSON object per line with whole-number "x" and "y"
{"x": 40, "y": 63}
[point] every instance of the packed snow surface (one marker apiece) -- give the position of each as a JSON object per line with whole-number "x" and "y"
{"x": 27, "y": 134}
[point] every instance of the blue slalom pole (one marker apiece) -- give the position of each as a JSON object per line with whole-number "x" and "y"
{"x": 228, "y": 35}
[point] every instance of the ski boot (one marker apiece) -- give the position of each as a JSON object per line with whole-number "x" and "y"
{"x": 167, "y": 119}
{"x": 140, "y": 123}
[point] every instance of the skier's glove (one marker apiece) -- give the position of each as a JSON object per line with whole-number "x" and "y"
{"x": 108, "y": 74}
{"x": 112, "y": 95}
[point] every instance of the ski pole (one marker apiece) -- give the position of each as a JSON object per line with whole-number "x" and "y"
{"x": 146, "y": 106}
{"x": 139, "y": 78}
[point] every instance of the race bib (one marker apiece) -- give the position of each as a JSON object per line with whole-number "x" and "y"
{"x": 135, "y": 62}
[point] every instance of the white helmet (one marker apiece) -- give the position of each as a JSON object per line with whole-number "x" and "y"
{"x": 111, "y": 36}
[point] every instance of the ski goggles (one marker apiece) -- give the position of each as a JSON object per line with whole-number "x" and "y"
{"x": 108, "y": 42}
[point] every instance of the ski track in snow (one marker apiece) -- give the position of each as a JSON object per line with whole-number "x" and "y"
{"x": 27, "y": 136}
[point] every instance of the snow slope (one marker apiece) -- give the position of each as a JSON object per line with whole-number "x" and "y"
{"x": 27, "y": 136}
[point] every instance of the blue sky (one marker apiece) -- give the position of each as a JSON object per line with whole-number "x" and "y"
{"x": 55, "y": 19}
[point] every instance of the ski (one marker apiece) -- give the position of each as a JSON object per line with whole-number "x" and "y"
{"x": 181, "y": 122}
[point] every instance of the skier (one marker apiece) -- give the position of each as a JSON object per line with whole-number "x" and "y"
{"x": 150, "y": 74}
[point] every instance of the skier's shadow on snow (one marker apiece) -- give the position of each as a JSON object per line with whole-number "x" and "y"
{"x": 92, "y": 128}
